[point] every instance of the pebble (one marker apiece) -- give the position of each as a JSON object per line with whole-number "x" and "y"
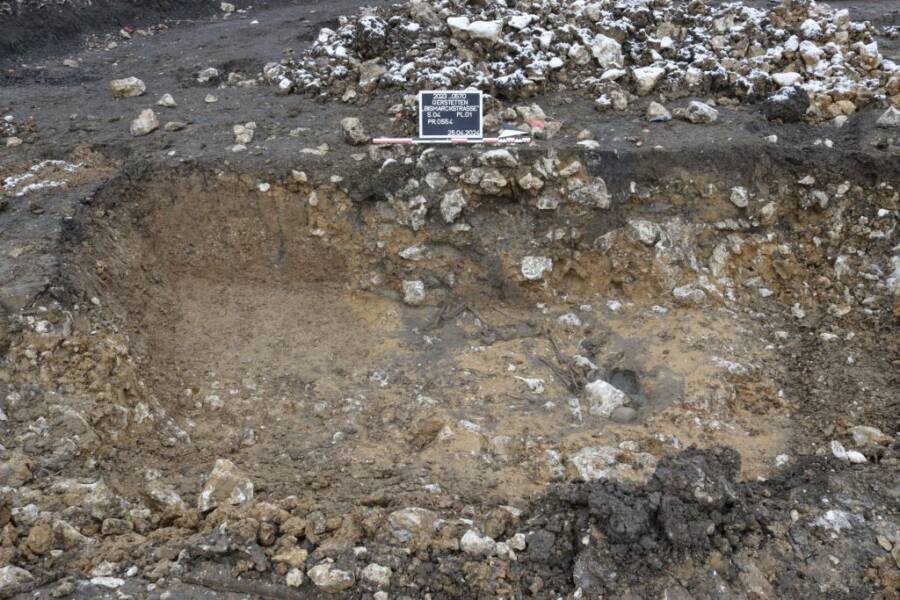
{"x": 656, "y": 113}
{"x": 127, "y": 88}
{"x": 353, "y": 131}
{"x": 226, "y": 484}
{"x": 329, "y": 578}
{"x": 414, "y": 292}
{"x": 474, "y": 543}
{"x": 145, "y": 123}
{"x": 534, "y": 267}
{"x": 167, "y": 101}
{"x": 604, "y": 398}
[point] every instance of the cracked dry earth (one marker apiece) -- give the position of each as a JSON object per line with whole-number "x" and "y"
{"x": 661, "y": 366}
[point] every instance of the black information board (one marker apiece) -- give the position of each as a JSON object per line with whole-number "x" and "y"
{"x": 447, "y": 114}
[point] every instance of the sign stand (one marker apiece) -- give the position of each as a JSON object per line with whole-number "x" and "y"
{"x": 454, "y": 117}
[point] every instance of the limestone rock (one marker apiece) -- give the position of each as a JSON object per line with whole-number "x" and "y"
{"x": 145, "y": 123}
{"x": 646, "y": 78}
{"x": 167, "y": 100}
{"x": 607, "y": 52}
{"x": 329, "y": 578}
{"x": 476, "y": 544}
{"x": 353, "y": 131}
{"x": 377, "y": 575}
{"x": 452, "y": 205}
{"x": 13, "y": 579}
{"x": 226, "y": 484}
{"x": 604, "y": 398}
{"x": 889, "y": 118}
{"x": 698, "y": 112}
{"x": 534, "y": 267}
{"x": 414, "y": 292}
{"x": 127, "y": 88}
{"x": 656, "y": 113}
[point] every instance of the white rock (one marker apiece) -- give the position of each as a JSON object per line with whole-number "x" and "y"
{"x": 226, "y": 484}
{"x": 534, "y": 267}
{"x": 889, "y": 118}
{"x": 739, "y": 197}
{"x": 452, "y": 205}
{"x": 108, "y": 582}
{"x": 294, "y": 578}
{"x": 353, "y": 131}
{"x": 499, "y": 158}
{"x": 145, "y": 123}
{"x": 569, "y": 320}
{"x": 656, "y": 113}
{"x": 167, "y": 100}
{"x": 485, "y": 30}
{"x": 414, "y": 292}
{"x": 377, "y": 575}
{"x": 607, "y": 52}
{"x": 646, "y": 78}
{"x": 478, "y": 545}
{"x": 700, "y": 112}
{"x": 787, "y": 79}
{"x": 12, "y": 579}
{"x": 226, "y": 7}
{"x": 243, "y": 134}
{"x": 331, "y": 579}
{"x": 207, "y": 75}
{"x": 127, "y": 88}
{"x": 604, "y": 398}
{"x": 688, "y": 294}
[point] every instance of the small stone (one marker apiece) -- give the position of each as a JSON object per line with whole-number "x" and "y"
{"x": 210, "y": 98}
{"x": 414, "y": 292}
{"x": 226, "y": 484}
{"x": 175, "y": 125}
{"x": 452, "y": 205}
{"x": 869, "y": 436}
{"x": 72, "y": 64}
{"x": 353, "y": 131}
{"x": 13, "y": 141}
{"x": 329, "y": 578}
{"x": 478, "y": 545}
{"x": 889, "y": 118}
{"x": 13, "y": 580}
{"x": 534, "y": 267}
{"x": 604, "y": 398}
{"x": 243, "y": 134}
{"x": 377, "y": 575}
{"x": 207, "y": 75}
{"x": 145, "y": 123}
{"x": 739, "y": 197}
{"x": 167, "y": 100}
{"x": 227, "y": 7}
{"x": 623, "y": 415}
{"x": 688, "y": 294}
{"x": 607, "y": 52}
{"x": 294, "y": 578}
{"x": 127, "y": 88}
{"x": 657, "y": 113}
{"x": 293, "y": 557}
{"x": 530, "y": 182}
{"x": 699, "y": 112}
{"x": 499, "y": 158}
{"x": 646, "y": 79}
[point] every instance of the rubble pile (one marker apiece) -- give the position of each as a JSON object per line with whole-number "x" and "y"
{"x": 613, "y": 51}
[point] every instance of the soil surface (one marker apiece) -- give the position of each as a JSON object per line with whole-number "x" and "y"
{"x": 218, "y": 380}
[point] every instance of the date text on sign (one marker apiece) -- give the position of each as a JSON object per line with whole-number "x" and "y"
{"x": 447, "y": 114}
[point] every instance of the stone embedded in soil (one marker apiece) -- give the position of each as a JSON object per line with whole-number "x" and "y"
{"x": 534, "y": 267}
{"x": 145, "y": 123}
{"x": 167, "y": 101}
{"x": 13, "y": 579}
{"x": 376, "y": 575}
{"x": 698, "y": 112}
{"x": 329, "y": 578}
{"x": 739, "y": 197}
{"x": 452, "y": 205}
{"x": 414, "y": 292}
{"x": 353, "y": 131}
{"x": 657, "y": 113}
{"x": 127, "y": 88}
{"x": 243, "y": 133}
{"x": 889, "y": 118}
{"x": 604, "y": 398}
{"x": 476, "y": 544}
{"x": 226, "y": 484}
{"x": 208, "y": 75}
{"x": 688, "y": 294}
{"x": 646, "y": 79}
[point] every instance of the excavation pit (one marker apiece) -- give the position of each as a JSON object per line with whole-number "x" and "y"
{"x": 270, "y": 327}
